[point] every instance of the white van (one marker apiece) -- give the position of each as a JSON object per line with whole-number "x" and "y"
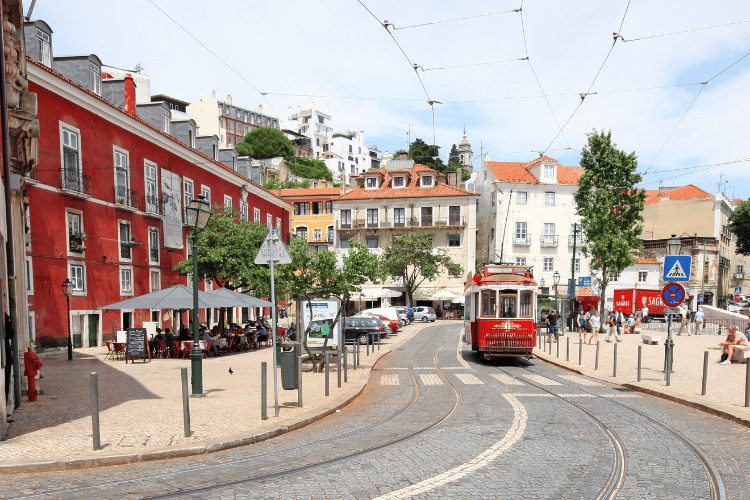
{"x": 388, "y": 312}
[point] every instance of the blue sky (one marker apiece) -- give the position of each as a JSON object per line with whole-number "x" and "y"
{"x": 336, "y": 56}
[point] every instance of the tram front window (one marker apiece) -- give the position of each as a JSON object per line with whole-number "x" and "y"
{"x": 489, "y": 303}
{"x": 507, "y": 306}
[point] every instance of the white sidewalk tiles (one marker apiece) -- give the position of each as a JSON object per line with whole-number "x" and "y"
{"x": 430, "y": 379}
{"x": 468, "y": 379}
{"x": 540, "y": 380}
{"x": 507, "y": 379}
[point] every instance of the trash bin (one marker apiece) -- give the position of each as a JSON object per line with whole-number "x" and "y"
{"x": 288, "y": 357}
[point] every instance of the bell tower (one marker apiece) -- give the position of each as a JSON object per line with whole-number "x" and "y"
{"x": 465, "y": 154}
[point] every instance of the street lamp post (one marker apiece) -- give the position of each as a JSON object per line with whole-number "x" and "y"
{"x": 673, "y": 248}
{"x": 67, "y": 288}
{"x": 556, "y": 279}
{"x": 198, "y": 212}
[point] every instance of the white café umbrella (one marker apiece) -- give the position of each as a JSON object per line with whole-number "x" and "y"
{"x": 388, "y": 293}
{"x": 175, "y": 297}
{"x": 459, "y": 300}
{"x": 443, "y": 295}
{"x": 237, "y": 299}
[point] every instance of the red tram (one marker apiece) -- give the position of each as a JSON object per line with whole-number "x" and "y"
{"x": 500, "y": 311}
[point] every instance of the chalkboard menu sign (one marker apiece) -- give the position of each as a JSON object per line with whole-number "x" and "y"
{"x": 137, "y": 345}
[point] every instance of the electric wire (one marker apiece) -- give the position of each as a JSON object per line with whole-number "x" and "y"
{"x": 474, "y": 64}
{"x": 456, "y": 19}
{"x": 684, "y": 31}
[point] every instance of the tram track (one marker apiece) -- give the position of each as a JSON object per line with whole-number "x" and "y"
{"x": 716, "y": 488}
{"x": 284, "y": 471}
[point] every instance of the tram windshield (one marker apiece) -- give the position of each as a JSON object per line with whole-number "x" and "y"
{"x": 489, "y": 303}
{"x": 508, "y": 306}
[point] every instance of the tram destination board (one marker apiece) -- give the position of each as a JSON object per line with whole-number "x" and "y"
{"x": 137, "y": 345}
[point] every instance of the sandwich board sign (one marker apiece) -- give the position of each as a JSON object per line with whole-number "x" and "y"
{"x": 280, "y": 253}
{"x": 677, "y": 267}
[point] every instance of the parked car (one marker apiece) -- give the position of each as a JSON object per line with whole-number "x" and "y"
{"x": 424, "y": 313}
{"x": 388, "y": 312}
{"x": 403, "y": 315}
{"x": 394, "y": 325}
{"x": 361, "y": 329}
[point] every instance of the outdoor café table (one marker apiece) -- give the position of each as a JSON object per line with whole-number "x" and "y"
{"x": 186, "y": 346}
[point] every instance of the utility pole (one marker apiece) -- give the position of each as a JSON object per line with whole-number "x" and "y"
{"x": 572, "y": 287}
{"x": 408, "y": 136}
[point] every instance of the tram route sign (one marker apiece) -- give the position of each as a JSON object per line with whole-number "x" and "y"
{"x": 673, "y": 294}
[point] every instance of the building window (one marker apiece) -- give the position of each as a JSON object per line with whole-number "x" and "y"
{"x": 549, "y": 170}
{"x": 243, "y": 211}
{"x": 301, "y": 233}
{"x": 372, "y": 241}
{"x": 71, "y": 160}
{"x": 317, "y": 234}
{"x": 399, "y": 217}
{"x": 642, "y": 276}
{"x": 256, "y": 215}
{"x": 126, "y": 242}
{"x": 346, "y": 218}
{"x": 372, "y": 182}
{"x": 329, "y": 234}
{"x": 426, "y": 216}
{"x": 492, "y": 233}
{"x": 166, "y": 119}
{"x": 152, "y": 195}
{"x": 155, "y": 280}
{"x": 426, "y": 181}
{"x": 521, "y": 231}
{"x": 227, "y": 201}
{"x": 520, "y": 261}
{"x": 329, "y": 207}
{"x": 206, "y": 192}
{"x": 492, "y": 199}
{"x": 278, "y": 225}
{"x": 122, "y": 176}
{"x": 77, "y": 275}
{"x": 578, "y": 265}
{"x": 95, "y": 73}
{"x": 43, "y": 48}
{"x": 548, "y": 264}
{"x": 372, "y": 217}
{"x": 454, "y": 241}
{"x": 126, "y": 280}
{"x": 317, "y": 207}
{"x": 187, "y": 194}
{"x": 269, "y": 221}
{"x": 549, "y": 198}
{"x": 454, "y": 215}
{"x": 302, "y": 209}
{"x": 153, "y": 246}
{"x": 614, "y": 278}
{"x": 398, "y": 182}
{"x": 521, "y": 197}
{"x": 344, "y": 243}
{"x": 549, "y": 234}
{"x": 76, "y": 242}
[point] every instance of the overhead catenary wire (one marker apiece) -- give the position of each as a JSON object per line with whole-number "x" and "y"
{"x": 454, "y": 20}
{"x": 684, "y": 31}
{"x": 474, "y": 64}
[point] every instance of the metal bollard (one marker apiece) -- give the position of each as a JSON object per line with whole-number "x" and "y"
{"x": 356, "y": 361}
{"x": 747, "y": 385}
{"x": 338, "y": 370}
{"x": 379, "y": 341}
{"x": 95, "y": 411}
{"x": 614, "y": 366}
{"x": 558, "y": 348}
{"x": 369, "y": 341}
{"x": 299, "y": 381}
{"x": 327, "y": 375}
{"x": 263, "y": 391}
{"x": 668, "y": 368}
{"x": 580, "y": 351}
{"x": 704, "y": 383}
{"x": 567, "y": 349}
{"x": 640, "y": 356}
{"x": 596, "y": 359}
{"x": 185, "y": 402}
{"x": 345, "y": 367}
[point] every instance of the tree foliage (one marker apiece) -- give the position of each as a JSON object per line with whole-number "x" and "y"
{"x": 427, "y": 155}
{"x": 610, "y": 206}
{"x": 265, "y": 142}
{"x": 453, "y": 158}
{"x": 309, "y": 168}
{"x": 274, "y": 183}
{"x": 740, "y": 226}
{"x": 414, "y": 258}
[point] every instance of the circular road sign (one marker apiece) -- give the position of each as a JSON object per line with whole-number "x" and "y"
{"x": 673, "y": 294}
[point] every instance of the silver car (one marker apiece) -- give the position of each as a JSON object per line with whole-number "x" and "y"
{"x": 424, "y": 314}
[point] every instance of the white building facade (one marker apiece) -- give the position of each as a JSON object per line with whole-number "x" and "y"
{"x": 229, "y": 122}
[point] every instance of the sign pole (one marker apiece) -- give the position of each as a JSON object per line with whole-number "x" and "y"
{"x": 273, "y": 332}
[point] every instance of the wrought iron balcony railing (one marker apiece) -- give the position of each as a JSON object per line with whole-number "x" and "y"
{"x": 522, "y": 240}
{"x": 126, "y": 197}
{"x": 74, "y": 180}
{"x": 548, "y": 240}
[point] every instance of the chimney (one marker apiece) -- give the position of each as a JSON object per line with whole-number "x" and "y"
{"x": 213, "y": 94}
{"x": 129, "y": 106}
{"x": 260, "y": 109}
{"x": 229, "y": 99}
{"x": 323, "y": 183}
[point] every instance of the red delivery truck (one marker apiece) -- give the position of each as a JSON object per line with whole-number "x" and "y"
{"x": 632, "y": 300}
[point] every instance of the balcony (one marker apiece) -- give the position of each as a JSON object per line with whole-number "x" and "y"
{"x": 154, "y": 205}
{"x": 126, "y": 198}
{"x": 76, "y": 242}
{"x": 577, "y": 239}
{"x": 126, "y": 250}
{"x": 76, "y": 183}
{"x": 724, "y": 262}
{"x": 725, "y": 232}
{"x": 739, "y": 276}
{"x": 401, "y": 222}
{"x": 548, "y": 241}
{"x": 522, "y": 241}
{"x": 372, "y": 223}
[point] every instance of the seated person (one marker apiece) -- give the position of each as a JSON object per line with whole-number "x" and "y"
{"x": 168, "y": 335}
{"x": 631, "y": 324}
{"x": 734, "y": 339}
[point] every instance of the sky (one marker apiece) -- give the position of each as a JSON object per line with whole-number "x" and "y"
{"x": 679, "y": 101}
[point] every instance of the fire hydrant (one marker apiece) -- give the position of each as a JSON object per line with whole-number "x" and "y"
{"x": 32, "y": 363}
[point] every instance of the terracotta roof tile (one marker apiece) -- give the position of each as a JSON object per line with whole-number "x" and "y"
{"x": 640, "y": 260}
{"x": 519, "y": 171}
{"x": 688, "y": 192}
{"x": 307, "y": 192}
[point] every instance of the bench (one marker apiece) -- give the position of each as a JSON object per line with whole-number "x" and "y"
{"x": 650, "y": 339}
{"x": 741, "y": 354}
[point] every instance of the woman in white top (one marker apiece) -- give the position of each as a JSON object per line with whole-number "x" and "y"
{"x": 595, "y": 324}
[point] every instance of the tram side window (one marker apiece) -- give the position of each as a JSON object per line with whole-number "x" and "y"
{"x": 526, "y": 304}
{"x": 508, "y": 306}
{"x": 489, "y": 303}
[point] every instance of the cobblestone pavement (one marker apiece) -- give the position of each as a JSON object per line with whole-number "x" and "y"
{"x": 436, "y": 422}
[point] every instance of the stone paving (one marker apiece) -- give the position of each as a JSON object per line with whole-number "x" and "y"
{"x": 141, "y": 405}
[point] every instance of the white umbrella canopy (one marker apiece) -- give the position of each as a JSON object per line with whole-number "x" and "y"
{"x": 459, "y": 300}
{"x": 232, "y": 298}
{"x": 443, "y": 295}
{"x": 176, "y": 297}
{"x": 387, "y": 293}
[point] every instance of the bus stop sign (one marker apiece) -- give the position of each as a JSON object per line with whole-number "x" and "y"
{"x": 673, "y": 294}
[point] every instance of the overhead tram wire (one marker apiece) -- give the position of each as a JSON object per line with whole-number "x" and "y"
{"x": 684, "y": 31}
{"x": 454, "y": 20}
{"x": 217, "y": 57}
{"x": 475, "y": 64}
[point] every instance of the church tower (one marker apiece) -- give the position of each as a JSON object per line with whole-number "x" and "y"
{"x": 465, "y": 154}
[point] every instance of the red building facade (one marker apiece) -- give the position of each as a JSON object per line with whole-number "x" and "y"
{"x": 106, "y": 210}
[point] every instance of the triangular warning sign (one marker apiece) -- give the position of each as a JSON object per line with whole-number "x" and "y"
{"x": 677, "y": 272}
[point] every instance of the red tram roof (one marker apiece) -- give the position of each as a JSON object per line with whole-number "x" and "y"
{"x": 508, "y": 279}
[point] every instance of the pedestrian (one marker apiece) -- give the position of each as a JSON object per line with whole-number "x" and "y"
{"x": 611, "y": 325}
{"x": 734, "y": 339}
{"x": 644, "y": 314}
{"x": 684, "y": 321}
{"x": 581, "y": 325}
{"x": 631, "y": 324}
{"x": 595, "y": 323}
{"x": 747, "y": 329}
{"x": 699, "y": 319}
{"x": 9, "y": 334}
{"x": 551, "y": 326}
{"x": 619, "y": 320}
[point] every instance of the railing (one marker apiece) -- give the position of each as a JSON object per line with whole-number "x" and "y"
{"x": 577, "y": 239}
{"x": 724, "y": 262}
{"x": 74, "y": 180}
{"x": 522, "y": 240}
{"x": 548, "y": 241}
{"x": 126, "y": 197}
{"x": 739, "y": 276}
{"x": 126, "y": 250}
{"x": 154, "y": 205}
{"x": 371, "y": 223}
{"x": 447, "y": 222}
{"x": 76, "y": 244}
{"x": 726, "y": 232}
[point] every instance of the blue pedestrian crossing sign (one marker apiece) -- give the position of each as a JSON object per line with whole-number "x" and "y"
{"x": 677, "y": 267}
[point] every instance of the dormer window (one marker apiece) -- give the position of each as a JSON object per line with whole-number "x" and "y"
{"x": 43, "y": 48}
{"x": 372, "y": 183}
{"x": 96, "y": 78}
{"x": 399, "y": 182}
{"x": 549, "y": 171}
{"x": 426, "y": 181}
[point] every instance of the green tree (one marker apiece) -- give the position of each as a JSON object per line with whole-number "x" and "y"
{"x": 610, "y": 206}
{"x": 274, "y": 183}
{"x": 414, "y": 258}
{"x": 740, "y": 226}
{"x": 309, "y": 168}
{"x": 265, "y": 142}
{"x": 427, "y": 155}
{"x": 321, "y": 275}
{"x": 453, "y": 158}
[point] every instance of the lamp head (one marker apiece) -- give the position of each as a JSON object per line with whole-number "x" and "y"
{"x": 673, "y": 245}
{"x": 198, "y": 213}
{"x": 67, "y": 287}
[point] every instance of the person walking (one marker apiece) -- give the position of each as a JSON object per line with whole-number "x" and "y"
{"x": 552, "y": 326}
{"x": 699, "y": 318}
{"x": 684, "y": 321}
{"x": 595, "y": 323}
{"x": 644, "y": 314}
{"x": 611, "y": 325}
{"x": 581, "y": 325}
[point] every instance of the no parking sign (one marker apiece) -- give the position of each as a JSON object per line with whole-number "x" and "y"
{"x": 673, "y": 294}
